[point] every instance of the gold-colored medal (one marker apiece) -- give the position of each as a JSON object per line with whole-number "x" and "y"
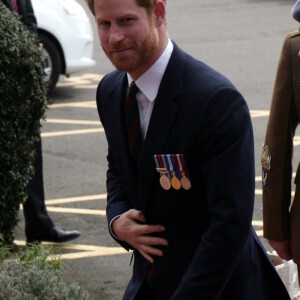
{"x": 175, "y": 183}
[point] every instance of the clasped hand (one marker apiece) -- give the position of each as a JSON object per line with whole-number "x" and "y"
{"x": 131, "y": 228}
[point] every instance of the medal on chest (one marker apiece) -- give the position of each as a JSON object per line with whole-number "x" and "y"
{"x": 173, "y": 172}
{"x": 185, "y": 182}
{"x": 164, "y": 179}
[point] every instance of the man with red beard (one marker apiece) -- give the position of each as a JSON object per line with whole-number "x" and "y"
{"x": 180, "y": 179}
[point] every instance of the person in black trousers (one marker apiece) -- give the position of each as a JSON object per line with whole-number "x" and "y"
{"x": 38, "y": 224}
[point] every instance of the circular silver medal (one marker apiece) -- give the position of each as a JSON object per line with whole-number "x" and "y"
{"x": 165, "y": 182}
{"x": 185, "y": 182}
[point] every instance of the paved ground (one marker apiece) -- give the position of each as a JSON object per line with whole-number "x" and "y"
{"x": 240, "y": 38}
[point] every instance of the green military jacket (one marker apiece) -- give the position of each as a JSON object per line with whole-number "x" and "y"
{"x": 281, "y": 215}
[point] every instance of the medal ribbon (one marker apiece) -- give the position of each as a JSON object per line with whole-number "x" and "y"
{"x": 176, "y": 168}
{"x": 159, "y": 165}
{"x": 178, "y": 165}
{"x": 181, "y": 163}
{"x": 169, "y": 164}
{"x": 156, "y": 162}
{"x": 162, "y": 158}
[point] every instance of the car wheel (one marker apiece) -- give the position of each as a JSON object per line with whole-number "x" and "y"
{"x": 51, "y": 60}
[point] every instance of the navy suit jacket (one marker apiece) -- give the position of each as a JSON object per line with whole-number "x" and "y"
{"x": 213, "y": 251}
{"x": 26, "y": 12}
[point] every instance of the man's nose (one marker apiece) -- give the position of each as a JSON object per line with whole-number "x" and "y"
{"x": 116, "y": 34}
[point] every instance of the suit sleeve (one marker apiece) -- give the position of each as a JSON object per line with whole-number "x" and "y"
{"x": 117, "y": 199}
{"x": 279, "y": 142}
{"x": 228, "y": 172}
{"x": 29, "y": 19}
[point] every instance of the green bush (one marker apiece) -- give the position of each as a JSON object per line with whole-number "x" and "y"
{"x": 23, "y": 102}
{"x": 36, "y": 275}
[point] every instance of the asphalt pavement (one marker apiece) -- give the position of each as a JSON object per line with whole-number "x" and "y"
{"x": 240, "y": 38}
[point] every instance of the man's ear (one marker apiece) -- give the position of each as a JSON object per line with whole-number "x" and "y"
{"x": 159, "y": 12}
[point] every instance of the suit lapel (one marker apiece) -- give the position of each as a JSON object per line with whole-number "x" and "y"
{"x": 117, "y": 98}
{"x": 161, "y": 123}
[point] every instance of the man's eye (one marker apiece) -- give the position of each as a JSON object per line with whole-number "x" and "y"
{"x": 104, "y": 24}
{"x": 127, "y": 20}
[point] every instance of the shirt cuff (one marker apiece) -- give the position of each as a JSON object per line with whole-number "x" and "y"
{"x": 110, "y": 227}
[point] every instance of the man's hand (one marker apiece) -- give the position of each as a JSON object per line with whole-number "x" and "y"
{"x": 283, "y": 248}
{"x": 130, "y": 227}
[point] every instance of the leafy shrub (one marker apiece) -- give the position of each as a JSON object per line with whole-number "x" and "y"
{"x": 22, "y": 104}
{"x": 36, "y": 275}
{"x": 5, "y": 251}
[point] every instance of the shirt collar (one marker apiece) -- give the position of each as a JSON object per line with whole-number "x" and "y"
{"x": 149, "y": 82}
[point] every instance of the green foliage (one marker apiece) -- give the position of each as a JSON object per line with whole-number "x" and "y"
{"x": 23, "y": 102}
{"x": 34, "y": 276}
{"x": 5, "y": 251}
{"x": 44, "y": 256}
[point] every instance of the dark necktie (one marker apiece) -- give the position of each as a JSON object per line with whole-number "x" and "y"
{"x": 15, "y": 5}
{"x": 133, "y": 122}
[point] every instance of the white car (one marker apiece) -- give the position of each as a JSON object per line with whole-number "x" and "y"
{"x": 67, "y": 36}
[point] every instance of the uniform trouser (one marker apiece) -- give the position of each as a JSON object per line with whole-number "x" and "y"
{"x": 37, "y": 220}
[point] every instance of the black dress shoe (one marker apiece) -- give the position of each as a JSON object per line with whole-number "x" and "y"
{"x": 55, "y": 235}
